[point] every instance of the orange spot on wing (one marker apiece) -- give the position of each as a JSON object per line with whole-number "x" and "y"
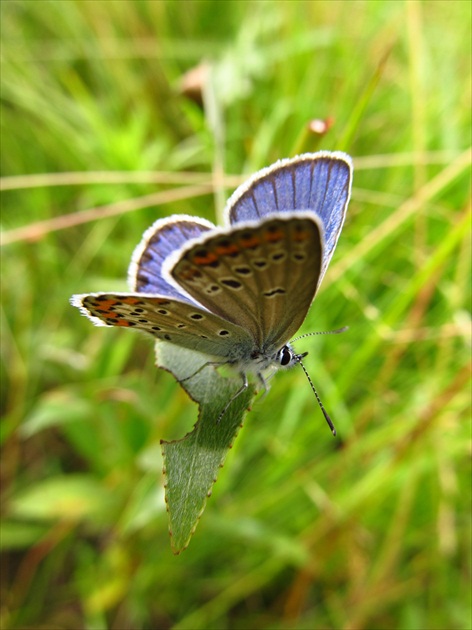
{"x": 130, "y": 300}
{"x": 274, "y": 237}
{"x": 122, "y": 322}
{"x": 104, "y": 305}
{"x": 298, "y": 237}
{"x": 189, "y": 273}
{"x": 223, "y": 250}
{"x": 205, "y": 260}
{"x": 250, "y": 242}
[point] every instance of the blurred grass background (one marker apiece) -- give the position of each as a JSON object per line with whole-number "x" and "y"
{"x": 371, "y": 530}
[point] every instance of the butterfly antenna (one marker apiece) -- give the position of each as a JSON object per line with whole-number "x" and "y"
{"x": 322, "y": 332}
{"x": 325, "y": 413}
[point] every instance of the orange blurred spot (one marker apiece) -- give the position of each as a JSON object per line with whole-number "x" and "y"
{"x": 189, "y": 274}
{"x": 301, "y": 236}
{"x": 273, "y": 237}
{"x": 254, "y": 241}
{"x": 107, "y": 315}
{"x": 104, "y": 305}
{"x": 205, "y": 260}
{"x": 224, "y": 250}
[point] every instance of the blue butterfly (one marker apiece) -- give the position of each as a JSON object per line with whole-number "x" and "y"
{"x": 239, "y": 293}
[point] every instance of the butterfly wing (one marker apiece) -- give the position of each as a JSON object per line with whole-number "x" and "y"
{"x": 159, "y": 241}
{"x": 168, "y": 319}
{"x": 261, "y": 275}
{"x": 319, "y": 182}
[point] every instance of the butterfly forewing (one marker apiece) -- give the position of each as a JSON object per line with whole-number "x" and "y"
{"x": 262, "y": 275}
{"x": 168, "y": 319}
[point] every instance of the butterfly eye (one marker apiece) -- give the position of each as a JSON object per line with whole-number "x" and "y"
{"x": 285, "y": 356}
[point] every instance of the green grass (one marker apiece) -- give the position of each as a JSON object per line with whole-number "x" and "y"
{"x": 368, "y": 530}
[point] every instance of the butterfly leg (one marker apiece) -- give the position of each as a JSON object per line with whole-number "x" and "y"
{"x": 243, "y": 387}
{"x": 264, "y": 383}
{"x": 207, "y": 364}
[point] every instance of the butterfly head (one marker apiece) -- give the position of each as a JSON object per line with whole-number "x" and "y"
{"x": 287, "y": 358}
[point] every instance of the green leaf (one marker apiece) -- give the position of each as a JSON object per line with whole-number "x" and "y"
{"x": 18, "y": 535}
{"x": 56, "y": 408}
{"x": 70, "y": 498}
{"x": 191, "y": 464}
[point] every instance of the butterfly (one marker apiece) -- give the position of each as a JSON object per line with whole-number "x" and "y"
{"x": 238, "y": 293}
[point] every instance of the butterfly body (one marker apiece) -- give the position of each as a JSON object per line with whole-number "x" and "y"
{"x": 237, "y": 294}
